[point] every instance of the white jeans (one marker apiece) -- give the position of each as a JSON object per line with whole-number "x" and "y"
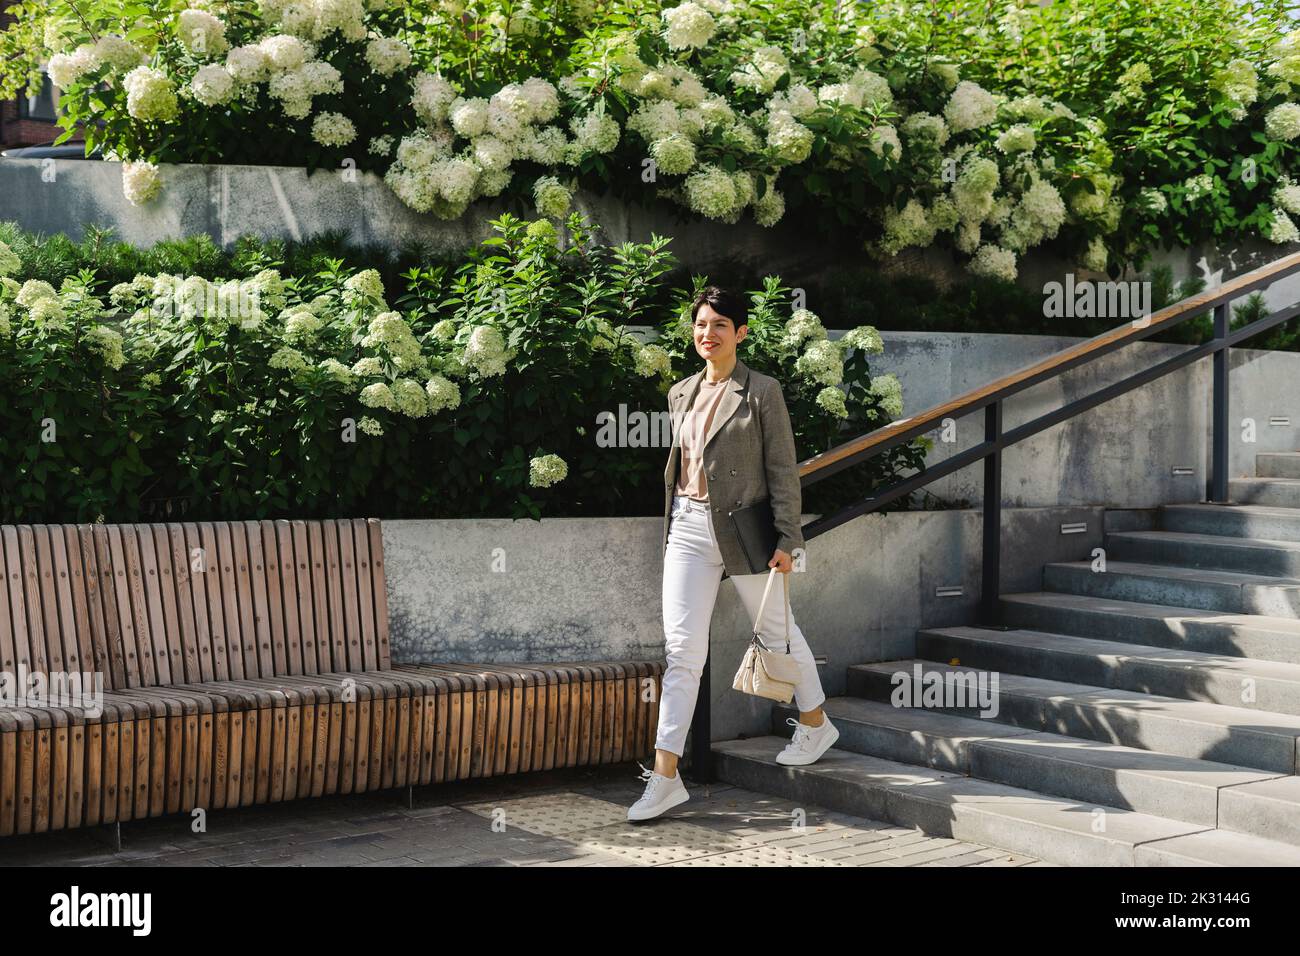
{"x": 692, "y": 572}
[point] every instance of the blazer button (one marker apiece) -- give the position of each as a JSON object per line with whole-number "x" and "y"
{"x": 733, "y": 473}
{"x": 737, "y": 504}
{"x": 715, "y": 477}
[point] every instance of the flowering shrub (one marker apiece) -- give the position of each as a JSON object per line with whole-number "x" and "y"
{"x": 473, "y": 392}
{"x": 879, "y": 121}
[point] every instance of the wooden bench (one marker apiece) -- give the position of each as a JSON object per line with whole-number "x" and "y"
{"x": 248, "y": 662}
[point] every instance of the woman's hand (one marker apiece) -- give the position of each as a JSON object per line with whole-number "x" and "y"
{"x": 781, "y": 560}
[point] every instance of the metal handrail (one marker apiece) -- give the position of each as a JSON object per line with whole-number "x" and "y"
{"x": 990, "y": 397}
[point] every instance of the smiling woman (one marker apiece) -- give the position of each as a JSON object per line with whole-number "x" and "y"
{"x": 733, "y": 447}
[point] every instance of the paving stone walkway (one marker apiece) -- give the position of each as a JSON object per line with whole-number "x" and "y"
{"x": 570, "y": 817}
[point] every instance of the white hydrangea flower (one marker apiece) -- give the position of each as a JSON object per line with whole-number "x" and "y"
{"x": 970, "y": 107}
{"x": 831, "y": 400}
{"x": 711, "y": 192}
{"x": 798, "y": 100}
{"x": 770, "y": 207}
{"x": 1095, "y": 256}
{"x": 864, "y": 338}
{"x": 875, "y": 91}
{"x": 387, "y": 55}
{"x": 485, "y": 352}
{"x": 595, "y": 132}
{"x": 762, "y": 69}
{"x": 365, "y": 283}
{"x": 1280, "y": 228}
{"x": 690, "y": 26}
{"x": 248, "y": 64}
{"x": 546, "y": 470}
{"x": 1286, "y": 195}
{"x": 1016, "y": 139}
{"x": 320, "y": 77}
{"x": 140, "y": 182}
{"x": 468, "y": 117}
{"x": 333, "y": 129}
{"x": 889, "y": 390}
{"x": 287, "y": 358}
{"x": 926, "y": 128}
{"x": 674, "y": 154}
{"x": 844, "y": 93}
{"x": 884, "y": 136}
{"x": 201, "y": 33}
{"x": 432, "y": 96}
{"x": 381, "y": 145}
{"x": 821, "y": 363}
{"x": 339, "y": 372}
{"x": 9, "y": 261}
{"x": 368, "y": 425}
{"x": 118, "y": 53}
{"x": 973, "y": 191}
{"x": 492, "y": 153}
{"x": 1152, "y": 200}
{"x": 1282, "y": 122}
{"x": 442, "y": 393}
{"x": 552, "y": 197}
{"x": 149, "y": 95}
{"x": 284, "y": 52}
{"x": 993, "y": 262}
{"x": 410, "y": 398}
{"x": 378, "y": 395}
{"x": 66, "y": 68}
{"x": 788, "y": 138}
{"x": 212, "y": 85}
{"x": 107, "y": 343}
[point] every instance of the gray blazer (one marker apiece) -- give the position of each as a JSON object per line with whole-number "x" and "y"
{"x": 748, "y": 456}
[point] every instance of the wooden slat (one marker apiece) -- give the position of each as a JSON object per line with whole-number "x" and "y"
{"x": 380, "y": 586}
{"x": 316, "y": 558}
{"x": 160, "y": 589}
{"x": 8, "y": 649}
{"x": 253, "y": 628}
{"x": 116, "y": 642}
{"x": 334, "y": 596}
{"x": 270, "y": 629}
{"x": 171, "y": 541}
{"x": 65, "y": 624}
{"x": 209, "y": 610}
{"x": 348, "y": 587}
{"x": 365, "y": 592}
{"x": 268, "y": 577}
{"x": 38, "y": 636}
{"x": 197, "y": 567}
{"x": 306, "y": 619}
{"x": 238, "y": 635}
{"x": 134, "y": 606}
{"x": 285, "y": 575}
{"x": 83, "y": 587}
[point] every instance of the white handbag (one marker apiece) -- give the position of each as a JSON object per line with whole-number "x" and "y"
{"x": 764, "y": 672}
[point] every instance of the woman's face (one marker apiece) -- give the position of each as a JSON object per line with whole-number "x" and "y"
{"x": 715, "y": 335}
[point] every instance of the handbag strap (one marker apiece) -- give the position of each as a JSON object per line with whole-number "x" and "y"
{"x": 762, "y": 606}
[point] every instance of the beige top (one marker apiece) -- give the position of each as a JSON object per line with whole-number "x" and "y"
{"x": 695, "y": 429}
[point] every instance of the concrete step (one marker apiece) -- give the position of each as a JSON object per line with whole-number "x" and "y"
{"x": 1212, "y": 551}
{"x": 1212, "y": 590}
{"x": 1190, "y": 675}
{"x": 1278, "y": 464}
{"x": 1275, "y": 492}
{"x": 1158, "y": 625}
{"x": 1238, "y": 521}
{"x": 1233, "y": 735}
{"x": 1164, "y": 785}
{"x": 965, "y": 808}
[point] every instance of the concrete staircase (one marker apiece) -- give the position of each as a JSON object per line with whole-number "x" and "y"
{"x": 1147, "y": 715}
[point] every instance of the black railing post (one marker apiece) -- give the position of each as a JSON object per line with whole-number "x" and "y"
{"x": 702, "y": 725}
{"x": 991, "y": 572}
{"x": 1218, "y": 483}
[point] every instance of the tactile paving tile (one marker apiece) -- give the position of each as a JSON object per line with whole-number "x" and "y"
{"x": 553, "y": 814}
{"x": 758, "y": 856}
{"x": 659, "y": 842}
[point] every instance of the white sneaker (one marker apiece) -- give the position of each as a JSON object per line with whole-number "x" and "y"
{"x": 808, "y": 743}
{"x": 661, "y": 793}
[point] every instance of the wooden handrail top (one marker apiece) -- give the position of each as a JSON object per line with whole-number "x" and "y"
{"x": 1038, "y": 371}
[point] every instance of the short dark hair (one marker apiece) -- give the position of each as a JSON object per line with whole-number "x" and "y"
{"x": 724, "y": 302}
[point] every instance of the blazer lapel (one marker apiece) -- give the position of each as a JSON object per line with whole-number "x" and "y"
{"x": 730, "y": 401}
